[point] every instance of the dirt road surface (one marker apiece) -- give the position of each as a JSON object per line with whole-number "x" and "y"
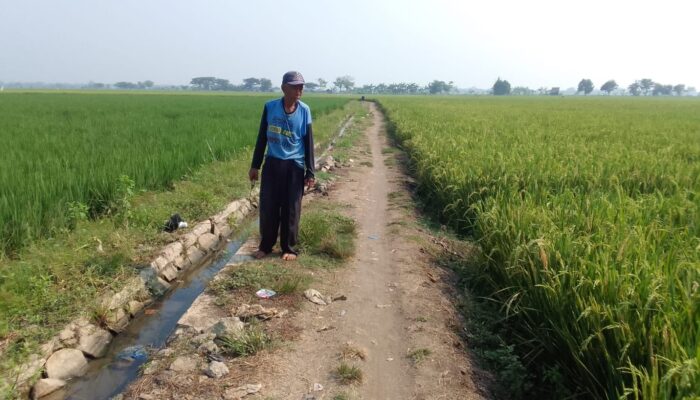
{"x": 399, "y": 314}
{"x": 396, "y": 331}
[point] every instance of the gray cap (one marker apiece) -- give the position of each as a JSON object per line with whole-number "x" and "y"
{"x": 293, "y": 78}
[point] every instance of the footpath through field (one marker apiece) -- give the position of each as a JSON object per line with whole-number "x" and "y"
{"x": 389, "y": 332}
{"x": 398, "y": 323}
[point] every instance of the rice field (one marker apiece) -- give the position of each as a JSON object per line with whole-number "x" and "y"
{"x": 588, "y": 215}
{"x": 68, "y": 153}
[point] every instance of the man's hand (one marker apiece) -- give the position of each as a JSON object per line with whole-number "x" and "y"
{"x": 310, "y": 182}
{"x": 253, "y": 175}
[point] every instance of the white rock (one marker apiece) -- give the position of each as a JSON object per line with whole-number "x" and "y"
{"x": 242, "y": 391}
{"x": 195, "y": 255}
{"x": 203, "y": 338}
{"x": 189, "y": 239}
{"x": 151, "y": 368}
{"x": 182, "y": 262}
{"x": 166, "y": 352}
{"x": 184, "y": 364}
{"x": 227, "y": 327}
{"x": 95, "y": 344}
{"x": 134, "y": 307}
{"x": 201, "y": 228}
{"x": 66, "y": 334}
{"x": 49, "y": 347}
{"x": 225, "y": 231}
{"x": 172, "y": 251}
{"x": 81, "y": 322}
{"x": 65, "y": 364}
{"x": 208, "y": 348}
{"x": 159, "y": 263}
{"x": 169, "y": 273}
{"x": 208, "y": 241}
{"x": 216, "y": 369}
{"x": 202, "y": 314}
{"x": 47, "y": 386}
{"x": 117, "y": 320}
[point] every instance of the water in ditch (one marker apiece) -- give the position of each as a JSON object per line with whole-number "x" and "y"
{"x": 111, "y": 374}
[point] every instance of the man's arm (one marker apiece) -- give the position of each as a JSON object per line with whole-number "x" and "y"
{"x": 261, "y": 143}
{"x": 309, "y": 152}
{"x": 259, "y": 151}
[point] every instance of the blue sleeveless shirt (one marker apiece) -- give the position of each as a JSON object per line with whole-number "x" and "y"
{"x": 286, "y": 132}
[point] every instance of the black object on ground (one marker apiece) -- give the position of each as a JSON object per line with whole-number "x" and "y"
{"x": 173, "y": 223}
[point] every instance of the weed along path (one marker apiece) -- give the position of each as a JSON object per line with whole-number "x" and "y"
{"x": 374, "y": 319}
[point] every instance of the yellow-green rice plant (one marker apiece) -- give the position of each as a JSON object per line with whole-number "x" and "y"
{"x": 588, "y": 214}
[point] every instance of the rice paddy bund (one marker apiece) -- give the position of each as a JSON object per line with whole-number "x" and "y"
{"x": 70, "y": 154}
{"x": 588, "y": 215}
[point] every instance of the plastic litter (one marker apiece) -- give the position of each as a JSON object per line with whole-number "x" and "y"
{"x": 133, "y": 353}
{"x": 265, "y": 293}
{"x": 318, "y": 387}
{"x": 316, "y": 297}
{"x": 174, "y": 223}
{"x": 373, "y": 237}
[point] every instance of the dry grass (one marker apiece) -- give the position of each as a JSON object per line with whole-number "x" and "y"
{"x": 351, "y": 352}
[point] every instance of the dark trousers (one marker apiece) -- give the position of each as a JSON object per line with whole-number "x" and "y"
{"x": 281, "y": 188}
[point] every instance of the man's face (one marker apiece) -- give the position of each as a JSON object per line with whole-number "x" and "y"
{"x": 292, "y": 92}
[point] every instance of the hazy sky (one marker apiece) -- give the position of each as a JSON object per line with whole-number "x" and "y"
{"x": 528, "y": 42}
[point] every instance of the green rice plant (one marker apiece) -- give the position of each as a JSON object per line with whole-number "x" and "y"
{"x": 77, "y": 251}
{"x": 68, "y": 148}
{"x": 588, "y": 215}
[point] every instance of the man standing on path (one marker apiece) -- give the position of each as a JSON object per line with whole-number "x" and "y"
{"x": 285, "y": 129}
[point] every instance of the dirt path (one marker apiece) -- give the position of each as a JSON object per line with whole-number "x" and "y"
{"x": 398, "y": 325}
{"x": 399, "y": 313}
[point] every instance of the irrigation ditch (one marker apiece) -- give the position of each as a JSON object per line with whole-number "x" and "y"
{"x": 97, "y": 358}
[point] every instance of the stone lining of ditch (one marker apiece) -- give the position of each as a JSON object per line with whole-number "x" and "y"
{"x": 116, "y": 310}
{"x": 189, "y": 350}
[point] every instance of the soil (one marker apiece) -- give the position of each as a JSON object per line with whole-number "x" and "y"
{"x": 399, "y": 324}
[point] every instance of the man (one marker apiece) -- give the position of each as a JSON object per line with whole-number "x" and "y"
{"x": 285, "y": 129}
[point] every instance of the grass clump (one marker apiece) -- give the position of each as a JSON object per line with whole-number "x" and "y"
{"x": 350, "y": 352}
{"x": 348, "y": 374}
{"x": 418, "y": 355}
{"x": 256, "y": 275}
{"x": 323, "y": 176}
{"x": 326, "y": 232}
{"x": 252, "y": 340}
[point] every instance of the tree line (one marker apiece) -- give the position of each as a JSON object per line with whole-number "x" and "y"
{"x": 248, "y": 84}
{"x": 645, "y": 87}
{"x": 346, "y": 84}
